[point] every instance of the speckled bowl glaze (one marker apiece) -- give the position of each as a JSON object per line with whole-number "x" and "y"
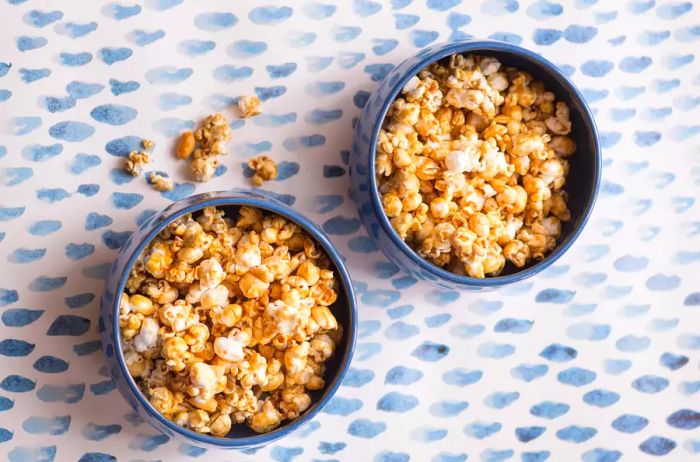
{"x": 345, "y": 310}
{"x": 582, "y": 184}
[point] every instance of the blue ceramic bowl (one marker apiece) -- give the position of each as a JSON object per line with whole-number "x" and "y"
{"x": 345, "y": 310}
{"x": 582, "y": 184}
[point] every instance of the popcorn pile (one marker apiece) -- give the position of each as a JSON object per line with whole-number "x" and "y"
{"x": 225, "y": 322}
{"x": 470, "y": 166}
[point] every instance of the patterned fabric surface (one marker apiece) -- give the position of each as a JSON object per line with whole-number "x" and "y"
{"x": 595, "y": 360}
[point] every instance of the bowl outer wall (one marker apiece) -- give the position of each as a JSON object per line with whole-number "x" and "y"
{"x": 116, "y": 280}
{"x": 362, "y": 165}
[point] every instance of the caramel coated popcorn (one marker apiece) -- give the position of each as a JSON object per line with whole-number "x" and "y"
{"x": 249, "y": 105}
{"x": 229, "y": 320}
{"x": 265, "y": 170}
{"x": 205, "y": 145}
{"x": 471, "y": 162}
{"x": 136, "y": 162}
{"x": 160, "y": 182}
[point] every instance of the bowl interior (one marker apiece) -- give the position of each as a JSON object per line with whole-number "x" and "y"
{"x": 582, "y": 180}
{"x": 342, "y": 309}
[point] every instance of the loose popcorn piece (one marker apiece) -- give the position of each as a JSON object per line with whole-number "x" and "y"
{"x": 136, "y": 161}
{"x": 265, "y": 169}
{"x": 227, "y": 320}
{"x": 185, "y": 145}
{"x": 249, "y": 106}
{"x": 147, "y": 144}
{"x": 160, "y": 182}
{"x": 471, "y": 162}
{"x": 205, "y": 145}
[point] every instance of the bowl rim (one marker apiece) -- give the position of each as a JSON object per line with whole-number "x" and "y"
{"x": 478, "y": 46}
{"x": 270, "y": 204}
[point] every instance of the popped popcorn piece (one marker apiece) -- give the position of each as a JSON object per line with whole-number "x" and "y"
{"x": 140, "y": 304}
{"x": 204, "y": 377}
{"x": 265, "y": 170}
{"x": 229, "y": 348}
{"x": 205, "y": 145}
{"x": 203, "y": 168}
{"x": 160, "y": 182}
{"x": 162, "y": 399}
{"x": 463, "y": 161}
{"x": 294, "y": 401}
{"x": 147, "y": 144}
{"x": 249, "y": 105}
{"x": 220, "y": 425}
{"x": 471, "y": 165}
{"x": 214, "y": 297}
{"x": 217, "y": 311}
{"x": 136, "y": 162}
{"x": 267, "y": 419}
{"x": 210, "y": 273}
{"x": 177, "y": 316}
{"x": 147, "y": 336}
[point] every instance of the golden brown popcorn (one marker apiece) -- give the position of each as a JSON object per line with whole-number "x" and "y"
{"x": 249, "y": 105}
{"x": 205, "y": 145}
{"x": 266, "y": 419}
{"x": 136, "y": 161}
{"x": 203, "y": 168}
{"x": 218, "y": 311}
{"x": 471, "y": 165}
{"x": 160, "y": 182}
{"x": 265, "y": 169}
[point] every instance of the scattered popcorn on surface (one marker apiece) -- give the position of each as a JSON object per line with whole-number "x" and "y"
{"x": 249, "y": 106}
{"x": 229, "y": 320}
{"x": 470, "y": 165}
{"x": 160, "y": 182}
{"x": 136, "y": 161}
{"x": 265, "y": 169}
{"x": 204, "y": 146}
{"x": 147, "y": 144}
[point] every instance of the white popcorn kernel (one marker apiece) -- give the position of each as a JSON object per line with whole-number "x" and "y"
{"x": 498, "y": 81}
{"x": 551, "y": 170}
{"x": 489, "y": 65}
{"x": 488, "y": 190}
{"x": 217, "y": 296}
{"x": 249, "y": 256}
{"x": 411, "y": 85}
{"x": 210, "y": 273}
{"x": 124, "y": 305}
{"x": 475, "y": 198}
{"x": 462, "y": 161}
{"x": 468, "y": 99}
{"x": 495, "y": 162}
{"x": 203, "y": 376}
{"x": 286, "y": 317}
{"x": 195, "y": 294}
{"x": 228, "y": 348}
{"x": 147, "y": 336}
{"x": 178, "y": 316}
